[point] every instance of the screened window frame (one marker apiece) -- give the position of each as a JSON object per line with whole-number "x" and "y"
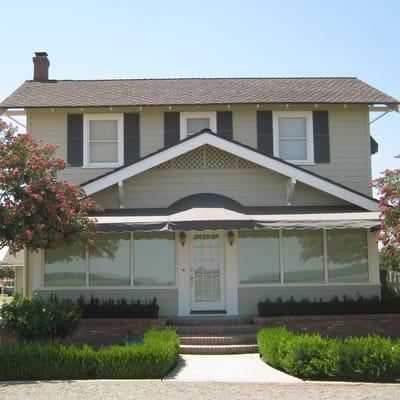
{"x": 114, "y": 287}
{"x": 325, "y": 282}
{"x": 310, "y": 160}
{"x": 184, "y": 116}
{"x": 87, "y": 118}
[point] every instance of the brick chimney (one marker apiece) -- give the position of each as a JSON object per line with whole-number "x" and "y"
{"x": 41, "y": 67}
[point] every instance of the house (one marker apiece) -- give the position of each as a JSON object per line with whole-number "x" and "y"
{"x": 217, "y": 193}
{"x": 16, "y": 262}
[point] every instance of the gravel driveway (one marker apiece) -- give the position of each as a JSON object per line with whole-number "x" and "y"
{"x": 140, "y": 390}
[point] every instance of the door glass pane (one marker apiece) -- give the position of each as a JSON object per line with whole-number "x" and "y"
{"x": 293, "y": 149}
{"x": 207, "y": 272}
{"x": 65, "y": 266}
{"x": 103, "y": 130}
{"x": 303, "y": 256}
{"x": 103, "y": 152}
{"x": 292, "y": 128}
{"x": 258, "y": 257}
{"x": 347, "y": 255}
{"x": 154, "y": 259}
{"x": 109, "y": 263}
{"x": 195, "y": 125}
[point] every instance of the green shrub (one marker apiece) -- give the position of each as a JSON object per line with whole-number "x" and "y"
{"x": 268, "y": 341}
{"x": 153, "y": 359}
{"x": 369, "y": 358}
{"x": 36, "y": 319}
{"x": 49, "y": 361}
{"x": 346, "y": 305}
{"x": 120, "y": 308}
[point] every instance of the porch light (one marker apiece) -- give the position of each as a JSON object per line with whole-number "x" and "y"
{"x": 182, "y": 238}
{"x": 231, "y": 237}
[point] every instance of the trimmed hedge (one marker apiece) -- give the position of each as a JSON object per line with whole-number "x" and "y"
{"x": 111, "y": 308}
{"x": 335, "y": 306}
{"x": 368, "y": 359}
{"x": 153, "y": 359}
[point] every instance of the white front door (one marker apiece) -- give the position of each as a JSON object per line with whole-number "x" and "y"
{"x": 207, "y": 272}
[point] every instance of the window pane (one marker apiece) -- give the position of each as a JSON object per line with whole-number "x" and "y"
{"x": 195, "y": 125}
{"x": 109, "y": 263}
{"x": 103, "y": 130}
{"x": 292, "y": 127}
{"x": 259, "y": 257}
{"x": 154, "y": 259}
{"x": 303, "y": 256}
{"x": 103, "y": 152}
{"x": 65, "y": 266}
{"x": 293, "y": 149}
{"x": 347, "y": 255}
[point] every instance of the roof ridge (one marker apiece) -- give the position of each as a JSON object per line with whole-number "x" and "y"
{"x": 199, "y": 78}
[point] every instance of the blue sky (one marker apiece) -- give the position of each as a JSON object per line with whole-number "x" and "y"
{"x": 132, "y": 39}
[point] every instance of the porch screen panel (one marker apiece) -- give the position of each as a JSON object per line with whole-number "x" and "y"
{"x": 303, "y": 256}
{"x": 154, "y": 259}
{"x": 65, "y": 267}
{"x": 258, "y": 254}
{"x": 109, "y": 264}
{"x": 347, "y": 255}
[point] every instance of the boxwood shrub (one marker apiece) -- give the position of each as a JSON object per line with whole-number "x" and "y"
{"x": 153, "y": 359}
{"x": 311, "y": 356}
{"x": 121, "y": 308}
{"x": 335, "y": 306}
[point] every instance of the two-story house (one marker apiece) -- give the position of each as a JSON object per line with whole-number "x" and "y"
{"x": 217, "y": 193}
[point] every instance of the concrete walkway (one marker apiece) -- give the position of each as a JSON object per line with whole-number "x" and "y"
{"x": 227, "y": 368}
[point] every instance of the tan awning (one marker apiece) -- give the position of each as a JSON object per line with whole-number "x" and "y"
{"x": 225, "y": 219}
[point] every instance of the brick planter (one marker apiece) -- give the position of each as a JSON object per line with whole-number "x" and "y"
{"x": 338, "y": 325}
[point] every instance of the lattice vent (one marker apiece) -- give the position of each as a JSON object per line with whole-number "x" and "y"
{"x": 207, "y": 157}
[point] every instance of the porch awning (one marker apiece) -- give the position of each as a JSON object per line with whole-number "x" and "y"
{"x": 200, "y": 219}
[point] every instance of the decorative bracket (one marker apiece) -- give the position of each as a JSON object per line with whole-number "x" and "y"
{"x": 121, "y": 194}
{"x": 290, "y": 185}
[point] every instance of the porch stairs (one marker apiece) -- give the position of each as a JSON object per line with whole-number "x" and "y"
{"x": 215, "y": 335}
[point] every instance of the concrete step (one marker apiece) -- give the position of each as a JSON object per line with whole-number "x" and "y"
{"x": 225, "y": 349}
{"x": 216, "y": 330}
{"x": 205, "y": 321}
{"x": 218, "y": 340}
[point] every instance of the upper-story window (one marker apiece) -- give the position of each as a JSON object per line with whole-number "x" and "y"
{"x": 193, "y": 122}
{"x": 293, "y": 139}
{"x": 103, "y": 140}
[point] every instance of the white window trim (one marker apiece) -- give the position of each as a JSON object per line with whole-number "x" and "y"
{"x": 309, "y": 133}
{"x": 184, "y": 116}
{"x": 86, "y": 148}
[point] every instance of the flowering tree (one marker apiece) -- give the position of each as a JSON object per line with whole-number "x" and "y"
{"x": 36, "y": 210}
{"x": 388, "y": 187}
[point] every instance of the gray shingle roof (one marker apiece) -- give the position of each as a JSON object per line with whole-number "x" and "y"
{"x": 87, "y": 93}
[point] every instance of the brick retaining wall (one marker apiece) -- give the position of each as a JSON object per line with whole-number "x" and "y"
{"x": 338, "y": 325}
{"x": 98, "y": 332}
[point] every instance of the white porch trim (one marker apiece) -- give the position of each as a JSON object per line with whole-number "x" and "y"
{"x": 238, "y": 150}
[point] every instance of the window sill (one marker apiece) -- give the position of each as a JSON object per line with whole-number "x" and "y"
{"x": 301, "y": 162}
{"x": 93, "y": 166}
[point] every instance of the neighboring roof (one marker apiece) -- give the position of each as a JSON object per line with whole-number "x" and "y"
{"x": 10, "y": 259}
{"x": 206, "y": 137}
{"x": 143, "y": 92}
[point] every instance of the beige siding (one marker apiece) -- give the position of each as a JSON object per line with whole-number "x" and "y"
{"x": 349, "y": 137}
{"x": 249, "y": 297}
{"x": 250, "y": 187}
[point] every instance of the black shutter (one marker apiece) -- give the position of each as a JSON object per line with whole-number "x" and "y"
{"x": 171, "y": 128}
{"x": 131, "y": 137}
{"x": 265, "y": 140}
{"x": 224, "y": 124}
{"x": 321, "y": 137}
{"x": 75, "y": 140}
